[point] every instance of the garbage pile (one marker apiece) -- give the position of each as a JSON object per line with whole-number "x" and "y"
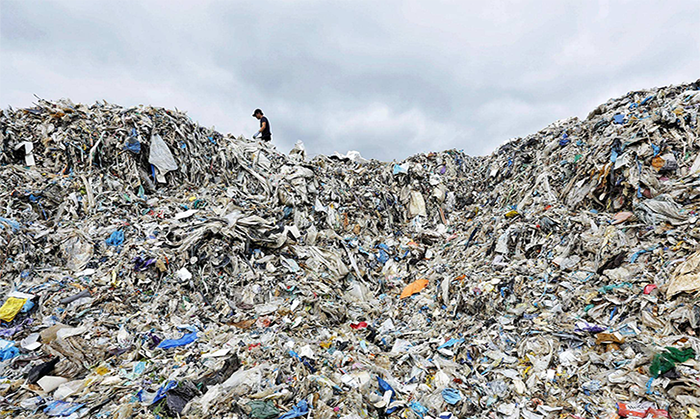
{"x": 151, "y": 267}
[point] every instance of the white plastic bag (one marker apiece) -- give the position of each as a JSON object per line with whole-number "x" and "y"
{"x": 161, "y": 157}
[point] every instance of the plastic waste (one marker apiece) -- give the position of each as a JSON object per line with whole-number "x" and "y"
{"x": 413, "y": 288}
{"x": 451, "y": 396}
{"x": 11, "y": 307}
{"x": 263, "y": 409}
{"x": 666, "y": 361}
{"x": 8, "y": 350}
{"x": 115, "y": 239}
{"x": 60, "y": 408}
{"x": 542, "y": 280}
{"x": 187, "y": 338}
{"x": 300, "y": 409}
{"x": 161, "y": 157}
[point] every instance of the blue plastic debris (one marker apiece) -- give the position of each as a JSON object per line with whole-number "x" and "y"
{"x": 451, "y": 342}
{"x": 418, "y": 408}
{"x": 141, "y": 264}
{"x": 398, "y": 169}
{"x": 564, "y": 140}
{"x": 14, "y": 225}
{"x": 384, "y": 387}
{"x": 28, "y": 305}
{"x": 656, "y": 149}
{"x": 383, "y": 253}
{"x": 451, "y": 396}
{"x": 132, "y": 143}
{"x": 646, "y": 100}
{"x": 173, "y": 343}
{"x": 638, "y": 253}
{"x": 301, "y": 409}
{"x": 115, "y": 239}
{"x": 8, "y": 350}
{"x": 619, "y": 119}
{"x": 160, "y": 394}
{"x": 61, "y": 408}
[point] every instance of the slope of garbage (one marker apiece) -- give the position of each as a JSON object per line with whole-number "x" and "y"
{"x": 151, "y": 267}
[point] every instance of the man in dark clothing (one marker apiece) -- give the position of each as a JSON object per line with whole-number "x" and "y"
{"x": 264, "y": 132}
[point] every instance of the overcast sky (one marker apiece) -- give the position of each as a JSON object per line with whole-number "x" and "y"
{"x": 386, "y": 78}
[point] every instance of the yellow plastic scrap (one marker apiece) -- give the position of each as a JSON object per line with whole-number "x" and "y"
{"x": 12, "y": 306}
{"x": 678, "y": 246}
{"x": 101, "y": 370}
{"x": 512, "y": 213}
{"x": 327, "y": 344}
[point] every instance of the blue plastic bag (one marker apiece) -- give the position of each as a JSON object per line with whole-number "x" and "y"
{"x": 28, "y": 305}
{"x": 115, "y": 239}
{"x": 301, "y": 409}
{"x": 160, "y": 394}
{"x": 418, "y": 408}
{"x": 173, "y": 343}
{"x": 133, "y": 145}
{"x": 451, "y": 396}
{"x": 7, "y": 350}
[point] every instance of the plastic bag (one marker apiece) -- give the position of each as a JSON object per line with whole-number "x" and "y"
{"x": 451, "y": 396}
{"x": 77, "y": 253}
{"x": 184, "y": 340}
{"x": 115, "y": 239}
{"x": 666, "y": 361}
{"x": 160, "y": 155}
{"x": 263, "y": 409}
{"x": 301, "y": 409}
{"x": 416, "y": 205}
{"x": 12, "y": 306}
{"x": 61, "y": 408}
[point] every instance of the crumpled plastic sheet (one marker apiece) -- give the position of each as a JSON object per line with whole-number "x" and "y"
{"x": 187, "y": 338}
{"x": 301, "y": 409}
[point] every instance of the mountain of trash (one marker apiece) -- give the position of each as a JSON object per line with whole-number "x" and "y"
{"x": 154, "y": 268}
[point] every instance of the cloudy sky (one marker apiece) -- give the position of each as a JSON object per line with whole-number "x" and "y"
{"x": 386, "y": 78}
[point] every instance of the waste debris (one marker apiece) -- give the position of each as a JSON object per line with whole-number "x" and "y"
{"x": 154, "y": 268}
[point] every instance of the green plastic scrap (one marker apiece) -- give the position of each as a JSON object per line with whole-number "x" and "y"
{"x": 666, "y": 361}
{"x": 610, "y": 287}
{"x": 263, "y": 409}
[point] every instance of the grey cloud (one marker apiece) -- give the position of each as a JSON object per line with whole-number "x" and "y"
{"x": 386, "y": 78}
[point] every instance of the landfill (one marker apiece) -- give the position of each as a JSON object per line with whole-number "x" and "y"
{"x": 154, "y": 268}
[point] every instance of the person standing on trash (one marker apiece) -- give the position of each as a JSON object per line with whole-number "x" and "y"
{"x": 264, "y": 132}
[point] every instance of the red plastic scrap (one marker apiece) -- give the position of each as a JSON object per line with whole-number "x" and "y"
{"x": 649, "y": 288}
{"x": 641, "y": 410}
